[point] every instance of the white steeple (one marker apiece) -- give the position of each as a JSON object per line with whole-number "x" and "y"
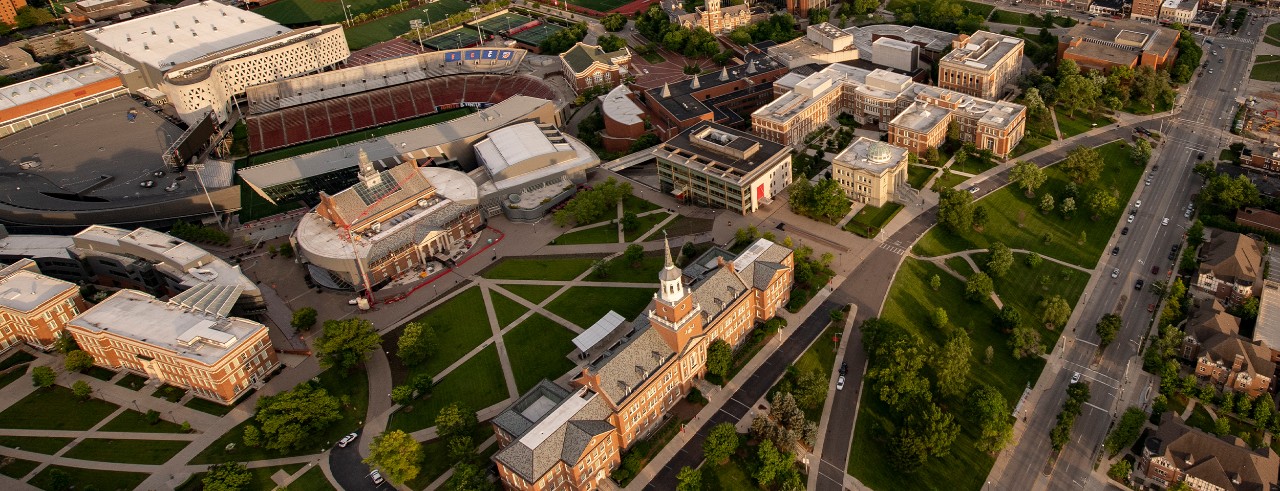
{"x": 670, "y": 277}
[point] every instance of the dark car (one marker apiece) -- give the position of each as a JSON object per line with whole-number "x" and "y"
{"x": 1138, "y": 285}
{"x": 1200, "y": 157}
{"x": 1115, "y": 250}
{"x": 1173, "y": 255}
{"x": 1155, "y": 270}
{"x": 844, "y": 368}
{"x": 1124, "y": 231}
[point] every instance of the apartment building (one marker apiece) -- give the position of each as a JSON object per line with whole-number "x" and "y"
{"x": 557, "y": 438}
{"x": 869, "y": 171}
{"x": 915, "y": 115}
{"x": 1230, "y": 267}
{"x": 1176, "y": 453}
{"x": 719, "y": 167}
{"x": 35, "y": 308}
{"x": 982, "y": 64}
{"x": 1224, "y": 357}
{"x": 1147, "y": 10}
{"x": 9, "y": 11}
{"x": 188, "y": 344}
{"x": 1180, "y": 11}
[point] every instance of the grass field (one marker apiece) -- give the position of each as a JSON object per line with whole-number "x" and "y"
{"x": 538, "y": 349}
{"x": 820, "y": 357}
{"x": 17, "y": 468}
{"x": 1022, "y": 288}
{"x": 1273, "y": 34}
{"x": 637, "y": 205}
{"x": 959, "y": 265}
{"x": 683, "y": 225}
{"x": 134, "y": 421}
{"x": 558, "y": 269}
{"x": 460, "y": 325}
{"x": 644, "y": 225}
{"x": 32, "y": 412}
{"x": 599, "y": 234}
{"x": 84, "y": 478}
{"x": 132, "y": 381}
{"x": 873, "y": 218}
{"x": 1016, "y": 221}
{"x": 506, "y": 309}
{"x": 302, "y": 11}
{"x": 972, "y": 164}
{"x": 209, "y": 407}
{"x": 645, "y": 272}
{"x": 728, "y": 476}
{"x": 1081, "y": 123}
{"x": 1267, "y": 72}
{"x": 532, "y": 293}
{"x": 918, "y": 176}
{"x": 600, "y": 5}
{"x": 950, "y": 181}
{"x": 394, "y": 25}
{"x": 1016, "y": 18}
{"x": 151, "y": 452}
{"x": 478, "y": 383}
{"x": 584, "y": 306}
{"x": 908, "y": 304}
{"x": 980, "y": 9}
{"x": 37, "y": 444}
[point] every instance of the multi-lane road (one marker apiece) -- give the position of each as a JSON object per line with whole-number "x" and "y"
{"x": 1116, "y": 379}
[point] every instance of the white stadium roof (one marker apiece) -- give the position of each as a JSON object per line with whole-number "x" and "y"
{"x": 183, "y": 34}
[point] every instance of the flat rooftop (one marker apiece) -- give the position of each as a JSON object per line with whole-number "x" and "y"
{"x": 983, "y": 50}
{"x": 24, "y": 290}
{"x": 189, "y": 334}
{"x": 54, "y": 83}
{"x": 36, "y": 246}
{"x": 179, "y": 35}
{"x": 77, "y": 166}
{"x": 871, "y": 155}
{"x": 921, "y": 117}
{"x": 740, "y": 154}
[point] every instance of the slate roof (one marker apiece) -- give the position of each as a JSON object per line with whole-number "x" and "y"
{"x": 513, "y": 422}
{"x": 398, "y": 184}
{"x": 1257, "y": 359}
{"x": 633, "y": 362}
{"x": 565, "y": 443}
{"x": 581, "y": 56}
{"x": 717, "y": 291}
{"x": 1232, "y": 257}
{"x": 1215, "y": 460}
{"x": 1211, "y": 318}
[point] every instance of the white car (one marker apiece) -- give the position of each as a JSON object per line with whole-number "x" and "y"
{"x": 1115, "y": 272}
{"x": 347, "y": 440}
{"x": 376, "y": 476}
{"x": 1131, "y": 218}
{"x": 840, "y": 383}
{"x": 1165, "y": 221}
{"x": 1075, "y": 377}
{"x": 1137, "y": 204}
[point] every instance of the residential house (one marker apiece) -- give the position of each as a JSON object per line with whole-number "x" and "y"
{"x": 1230, "y": 267}
{"x": 1224, "y": 357}
{"x": 1176, "y": 452}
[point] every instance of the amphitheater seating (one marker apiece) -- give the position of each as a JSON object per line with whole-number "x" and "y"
{"x": 308, "y": 122}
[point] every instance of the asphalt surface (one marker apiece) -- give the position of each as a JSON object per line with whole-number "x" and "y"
{"x": 351, "y": 473}
{"x": 738, "y": 406}
{"x": 1115, "y": 375}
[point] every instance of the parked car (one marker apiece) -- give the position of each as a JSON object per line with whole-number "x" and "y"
{"x": 840, "y": 383}
{"x": 1075, "y": 377}
{"x": 1124, "y": 231}
{"x": 1165, "y": 221}
{"x": 1137, "y": 204}
{"x": 346, "y": 440}
{"x": 1155, "y": 270}
{"x": 1115, "y": 250}
{"x": 1131, "y": 218}
{"x": 376, "y": 476}
{"x": 844, "y": 368}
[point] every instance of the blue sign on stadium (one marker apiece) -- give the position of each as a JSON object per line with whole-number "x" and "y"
{"x": 452, "y": 56}
{"x": 490, "y": 54}
{"x": 473, "y": 54}
{"x": 504, "y": 55}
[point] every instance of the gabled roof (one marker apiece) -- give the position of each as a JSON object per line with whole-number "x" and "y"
{"x": 581, "y": 56}
{"x": 1257, "y": 359}
{"x": 396, "y": 184}
{"x": 633, "y": 362}
{"x": 1233, "y": 257}
{"x": 1211, "y": 318}
{"x": 1213, "y": 459}
{"x": 559, "y": 433}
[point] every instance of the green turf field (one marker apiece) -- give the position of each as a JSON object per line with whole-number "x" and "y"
{"x": 600, "y": 5}
{"x": 302, "y": 11}
{"x": 394, "y": 25}
{"x": 502, "y": 22}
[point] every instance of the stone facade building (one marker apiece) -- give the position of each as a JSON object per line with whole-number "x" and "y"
{"x": 869, "y": 171}
{"x": 719, "y": 167}
{"x": 981, "y": 65}
{"x": 1176, "y": 452}
{"x": 711, "y": 16}
{"x": 1222, "y": 356}
{"x": 1230, "y": 267}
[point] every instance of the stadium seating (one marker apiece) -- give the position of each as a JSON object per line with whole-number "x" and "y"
{"x": 323, "y": 119}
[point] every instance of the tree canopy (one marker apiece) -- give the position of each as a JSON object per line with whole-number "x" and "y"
{"x": 721, "y": 443}
{"x": 824, "y": 202}
{"x": 955, "y": 210}
{"x": 294, "y": 418}
{"x": 1027, "y": 176}
{"x": 397, "y": 455}
{"x": 591, "y": 205}
{"x": 228, "y": 476}
{"x": 1083, "y": 164}
{"x": 417, "y": 343}
{"x": 346, "y": 343}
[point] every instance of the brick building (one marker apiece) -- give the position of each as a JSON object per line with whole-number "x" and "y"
{"x": 556, "y": 438}
{"x": 710, "y": 16}
{"x": 1103, "y": 43}
{"x": 718, "y": 97}
{"x": 197, "y": 348}
{"x": 35, "y": 308}
{"x": 624, "y": 120}
{"x": 981, "y": 65}
{"x": 1147, "y": 10}
{"x": 1266, "y": 158}
{"x": 1230, "y": 267}
{"x": 1223, "y": 357}
{"x": 1176, "y": 452}
{"x": 587, "y": 66}
{"x": 9, "y": 11}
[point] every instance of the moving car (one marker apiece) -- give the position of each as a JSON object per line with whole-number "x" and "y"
{"x": 840, "y": 383}
{"x": 1131, "y": 218}
{"x": 1138, "y": 285}
{"x": 844, "y": 368}
{"x": 1115, "y": 250}
{"x": 347, "y": 440}
{"x": 974, "y": 190}
{"x": 1155, "y": 270}
{"x": 1165, "y": 221}
{"x": 1138, "y": 204}
{"x": 1115, "y": 272}
{"x": 1124, "y": 231}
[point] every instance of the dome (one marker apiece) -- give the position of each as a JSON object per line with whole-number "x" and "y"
{"x": 879, "y": 152}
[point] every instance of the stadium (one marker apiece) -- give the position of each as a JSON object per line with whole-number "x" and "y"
{"x": 299, "y": 110}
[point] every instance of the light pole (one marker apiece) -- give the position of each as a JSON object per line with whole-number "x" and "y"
{"x": 345, "y": 14}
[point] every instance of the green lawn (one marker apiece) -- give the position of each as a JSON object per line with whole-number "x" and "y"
{"x": 821, "y": 357}
{"x": 600, "y": 5}
{"x": 683, "y": 225}
{"x": 549, "y": 269}
{"x": 1015, "y": 18}
{"x": 730, "y": 476}
{"x": 37, "y": 444}
{"x": 478, "y": 383}
{"x": 584, "y": 306}
{"x": 350, "y": 387}
{"x": 538, "y": 348}
{"x": 1267, "y": 72}
{"x": 1030, "y": 143}
{"x": 83, "y": 478}
{"x": 391, "y": 26}
{"x": 971, "y": 164}
{"x": 918, "y": 176}
{"x": 532, "y": 293}
{"x": 1271, "y": 40}
{"x": 872, "y": 218}
{"x": 646, "y": 272}
{"x": 435, "y": 457}
{"x": 506, "y": 309}
{"x": 460, "y": 325}
{"x": 980, "y": 9}
{"x": 959, "y": 265}
{"x": 1273, "y": 31}
{"x": 637, "y": 205}
{"x": 33, "y": 411}
{"x": 644, "y": 225}
{"x": 599, "y": 234}
{"x": 1022, "y": 288}
{"x": 951, "y": 180}
{"x": 17, "y": 358}
{"x": 312, "y": 480}
{"x": 169, "y": 393}
{"x": 17, "y": 468}
{"x": 208, "y": 406}
{"x": 1081, "y": 123}
{"x": 1016, "y": 221}
{"x": 12, "y": 376}
{"x": 132, "y": 381}
{"x": 133, "y": 421}
{"x": 100, "y": 373}
{"x": 151, "y": 452}
{"x": 909, "y": 303}
{"x": 1200, "y": 418}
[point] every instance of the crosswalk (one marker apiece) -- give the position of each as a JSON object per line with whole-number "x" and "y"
{"x": 895, "y": 248}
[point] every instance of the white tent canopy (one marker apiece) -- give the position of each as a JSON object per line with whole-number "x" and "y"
{"x": 598, "y": 331}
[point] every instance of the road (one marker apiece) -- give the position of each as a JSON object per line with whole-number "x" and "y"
{"x": 351, "y": 473}
{"x": 1116, "y": 377}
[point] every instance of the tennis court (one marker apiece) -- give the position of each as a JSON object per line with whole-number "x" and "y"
{"x": 457, "y": 38}
{"x": 508, "y": 20}
{"x": 538, "y": 34}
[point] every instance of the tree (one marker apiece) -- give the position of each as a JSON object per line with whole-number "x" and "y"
{"x": 81, "y": 390}
{"x": 1067, "y": 207}
{"x": 252, "y": 436}
{"x": 824, "y": 202}
{"x": 1102, "y": 202}
{"x": 1046, "y": 203}
{"x": 980, "y": 217}
{"x": 1120, "y": 470}
{"x": 690, "y": 479}
{"x": 228, "y": 476}
{"x": 1140, "y": 154}
{"x": 991, "y": 411}
{"x": 939, "y": 318}
{"x": 396, "y": 454}
{"x": 346, "y": 343}
{"x": 719, "y": 358}
{"x": 1025, "y": 341}
{"x": 78, "y": 361}
{"x": 1027, "y": 176}
{"x": 1083, "y": 164}
{"x": 721, "y": 443}
{"x": 291, "y": 419}
{"x": 468, "y": 477}
{"x": 935, "y": 282}
{"x": 303, "y": 319}
{"x": 1055, "y": 311}
{"x": 633, "y": 255}
{"x": 43, "y": 377}
{"x": 1009, "y": 317}
{"x": 31, "y": 16}
{"x": 402, "y": 394}
{"x": 1229, "y": 193}
{"x": 455, "y": 419}
{"x": 999, "y": 259}
{"x": 936, "y": 427}
{"x": 610, "y": 43}
{"x": 955, "y": 210}
{"x": 1107, "y": 328}
{"x": 772, "y": 463}
{"x": 1126, "y": 431}
{"x": 461, "y": 449}
{"x": 1033, "y": 260}
{"x": 1222, "y": 426}
{"x": 1031, "y": 98}
{"x": 646, "y": 140}
{"x": 65, "y": 343}
{"x": 950, "y": 363}
{"x": 978, "y": 287}
{"x": 896, "y": 360}
{"x": 417, "y": 343}
{"x": 1205, "y": 170}
{"x": 613, "y": 22}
